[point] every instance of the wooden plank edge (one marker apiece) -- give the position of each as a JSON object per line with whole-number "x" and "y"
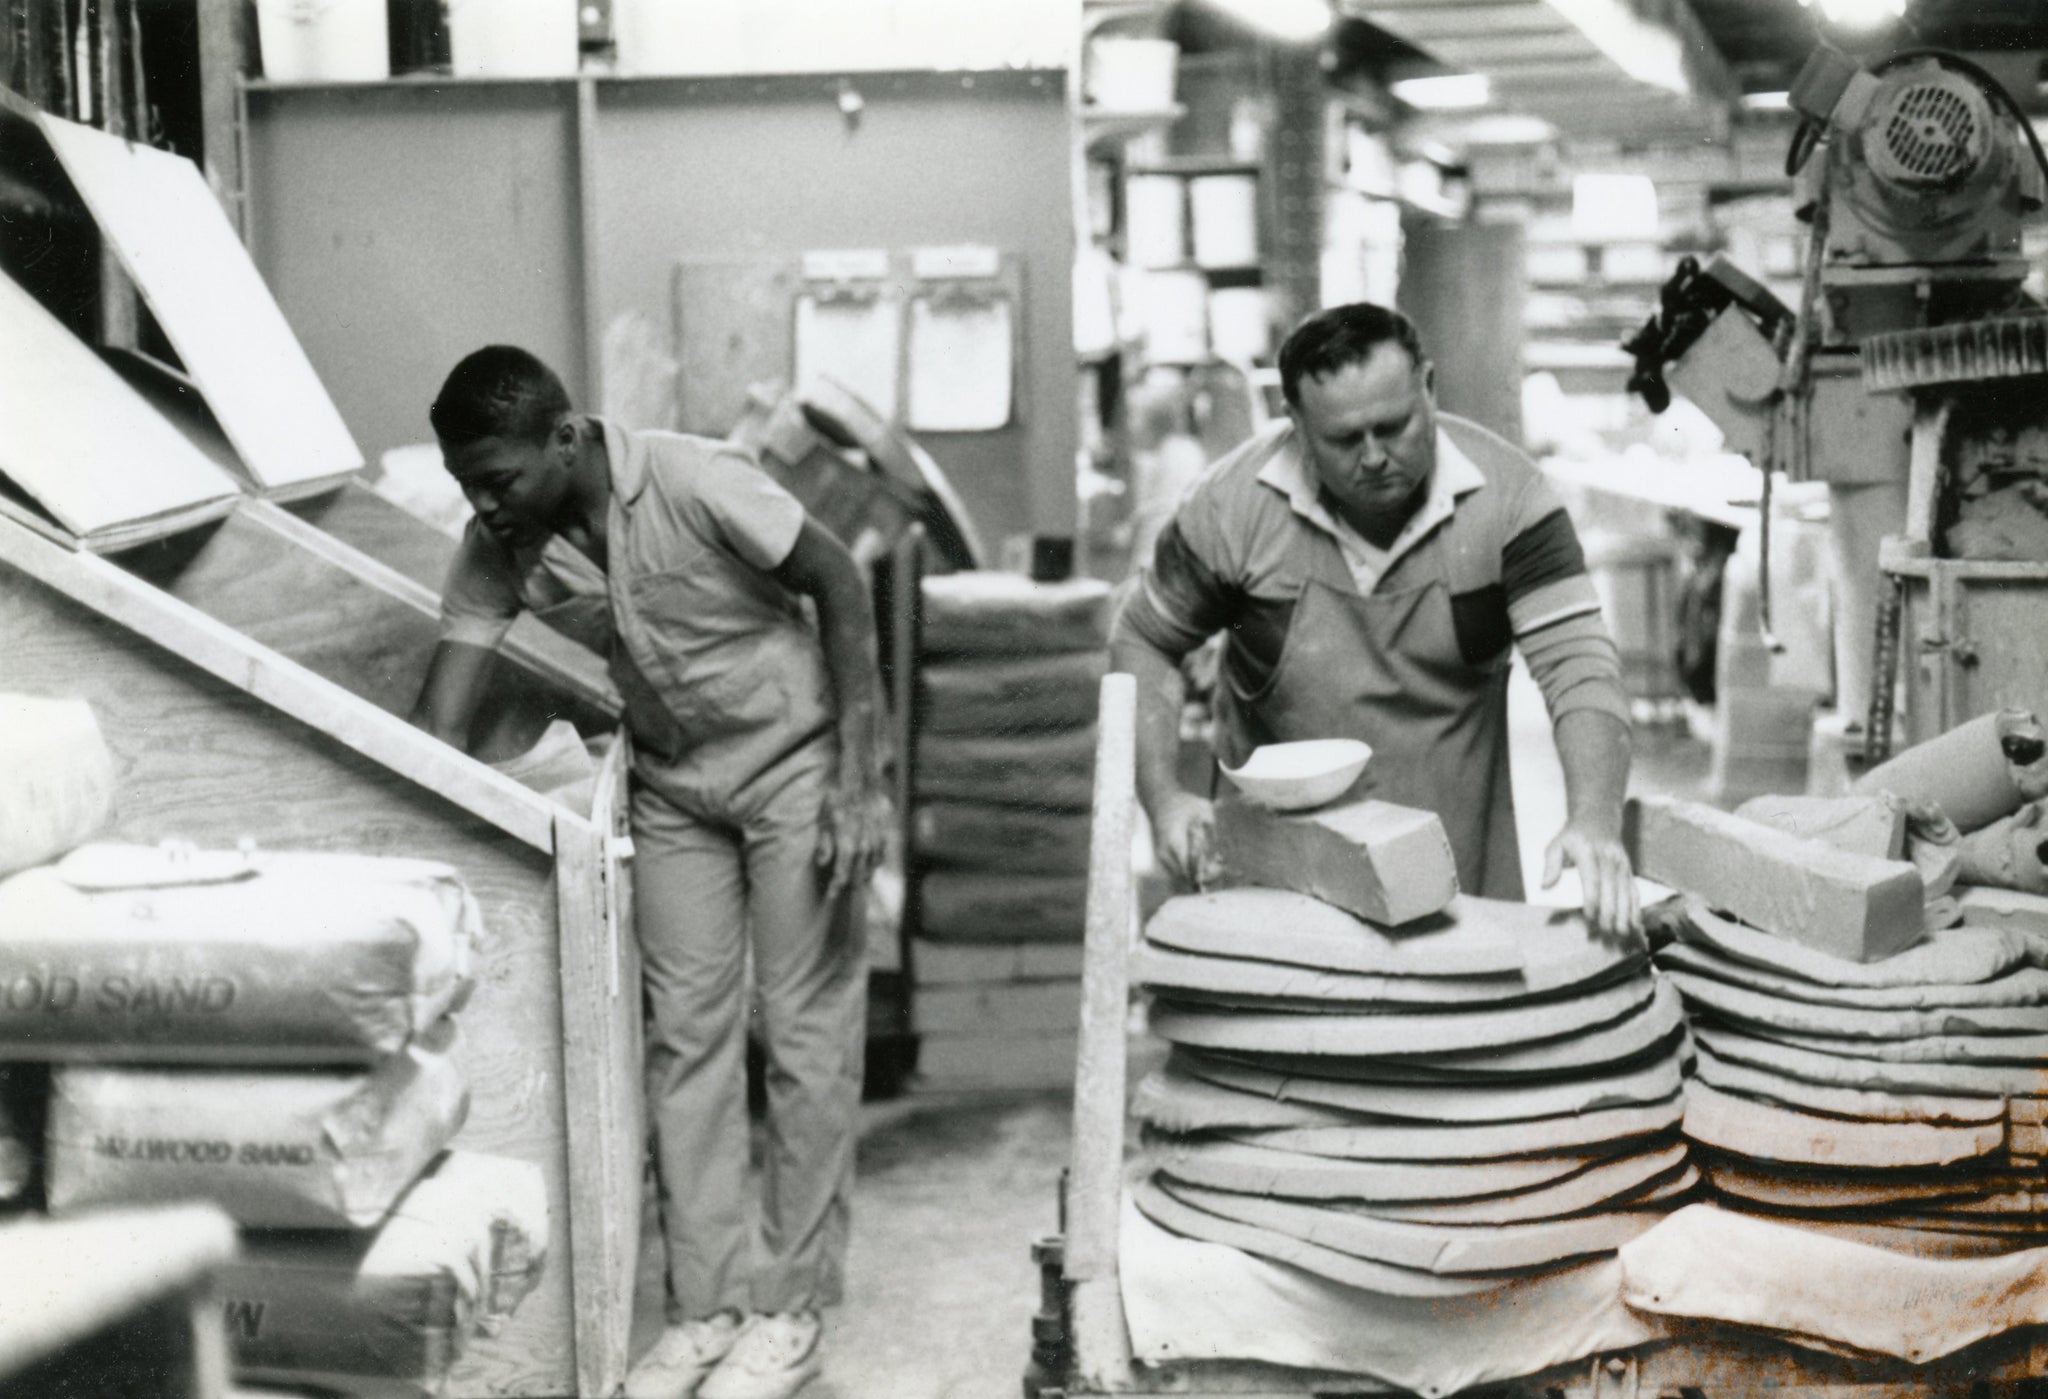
{"x": 1102, "y": 1344}
{"x": 283, "y": 684}
{"x": 588, "y": 683}
{"x": 126, "y": 535}
{"x": 601, "y": 1332}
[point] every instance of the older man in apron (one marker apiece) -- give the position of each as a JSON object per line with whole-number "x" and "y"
{"x": 756, "y": 806}
{"x": 1370, "y": 561}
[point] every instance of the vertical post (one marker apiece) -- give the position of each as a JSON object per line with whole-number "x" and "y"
{"x": 587, "y": 235}
{"x": 1102, "y": 1345}
{"x": 906, "y": 589}
{"x": 120, "y": 325}
{"x": 223, "y": 58}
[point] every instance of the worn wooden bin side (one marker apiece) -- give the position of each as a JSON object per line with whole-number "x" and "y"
{"x": 218, "y": 737}
{"x": 1960, "y": 648}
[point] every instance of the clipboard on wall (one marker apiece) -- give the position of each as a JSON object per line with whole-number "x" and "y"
{"x": 961, "y": 341}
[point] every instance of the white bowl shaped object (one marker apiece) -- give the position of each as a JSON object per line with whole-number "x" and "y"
{"x": 1297, "y": 776}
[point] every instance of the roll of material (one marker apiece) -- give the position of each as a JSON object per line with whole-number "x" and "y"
{"x": 1009, "y": 614}
{"x": 126, "y": 954}
{"x": 1968, "y": 770}
{"x": 56, "y": 779}
{"x": 309, "y": 1149}
{"x": 457, "y": 1255}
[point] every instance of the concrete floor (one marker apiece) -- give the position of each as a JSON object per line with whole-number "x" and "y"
{"x": 953, "y": 1190}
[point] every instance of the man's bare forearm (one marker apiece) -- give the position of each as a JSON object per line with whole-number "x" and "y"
{"x": 1161, "y": 694}
{"x": 1594, "y": 748}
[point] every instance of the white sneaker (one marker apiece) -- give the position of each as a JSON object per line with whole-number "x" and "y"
{"x": 678, "y": 1362}
{"x": 775, "y": 1356}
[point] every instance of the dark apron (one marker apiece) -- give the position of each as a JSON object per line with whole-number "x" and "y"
{"x": 1386, "y": 668}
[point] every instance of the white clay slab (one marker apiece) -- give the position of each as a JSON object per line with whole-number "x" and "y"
{"x": 1859, "y": 1104}
{"x": 1397, "y": 1034}
{"x": 1547, "y": 947}
{"x": 2029, "y": 1051}
{"x": 1433, "y": 1248}
{"x": 2008, "y": 910}
{"x": 1432, "y": 1142}
{"x": 1834, "y": 1191}
{"x": 1875, "y": 1075}
{"x": 1257, "y": 1170}
{"x": 1762, "y": 1132}
{"x": 1658, "y": 1182}
{"x": 1849, "y": 1022}
{"x": 1637, "y": 1085}
{"x": 1162, "y": 1209}
{"x": 1175, "y": 1100}
{"x": 2024, "y": 986}
{"x": 1950, "y": 956}
{"x": 1174, "y": 970}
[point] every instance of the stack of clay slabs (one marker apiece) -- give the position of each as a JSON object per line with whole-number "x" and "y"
{"x": 1481, "y": 1096}
{"x": 1898, "y": 1102}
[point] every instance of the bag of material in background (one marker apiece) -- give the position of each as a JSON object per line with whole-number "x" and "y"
{"x": 280, "y": 1149}
{"x": 126, "y": 953}
{"x": 22, "y": 1090}
{"x": 56, "y": 779}
{"x": 458, "y": 1255}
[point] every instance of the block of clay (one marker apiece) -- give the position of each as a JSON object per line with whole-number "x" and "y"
{"x": 1766, "y": 1133}
{"x": 1174, "y": 1100}
{"x": 1386, "y": 863}
{"x": 1856, "y": 907}
{"x": 2009, "y": 909}
{"x": 1241, "y": 980}
{"x": 1871, "y": 823}
{"x": 2010, "y": 853}
{"x": 1664, "y": 1175}
{"x": 1400, "y": 1141}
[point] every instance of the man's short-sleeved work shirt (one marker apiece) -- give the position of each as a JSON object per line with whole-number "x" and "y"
{"x": 713, "y": 655}
{"x": 1243, "y": 546}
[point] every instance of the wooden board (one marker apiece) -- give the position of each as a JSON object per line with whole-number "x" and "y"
{"x": 175, "y": 242}
{"x": 198, "y": 759}
{"x": 85, "y": 446}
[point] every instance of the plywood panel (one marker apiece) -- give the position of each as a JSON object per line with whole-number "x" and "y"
{"x": 402, "y": 226}
{"x": 751, "y": 168}
{"x": 175, "y": 242}
{"x": 83, "y": 444}
{"x": 199, "y": 760}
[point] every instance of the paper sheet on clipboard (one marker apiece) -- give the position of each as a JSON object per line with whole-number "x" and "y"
{"x": 962, "y": 363}
{"x": 855, "y": 340}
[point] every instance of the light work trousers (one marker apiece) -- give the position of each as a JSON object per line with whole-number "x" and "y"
{"x": 717, "y": 877}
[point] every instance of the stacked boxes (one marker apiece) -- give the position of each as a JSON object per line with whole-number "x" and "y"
{"x": 1394, "y": 1086}
{"x": 1004, "y": 775}
{"x": 274, "y": 1033}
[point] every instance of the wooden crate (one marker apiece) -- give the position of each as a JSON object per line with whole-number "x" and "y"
{"x": 249, "y": 681}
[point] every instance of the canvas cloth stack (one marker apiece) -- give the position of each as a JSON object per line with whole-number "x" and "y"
{"x": 1393, "y": 1086}
{"x": 1003, "y": 778}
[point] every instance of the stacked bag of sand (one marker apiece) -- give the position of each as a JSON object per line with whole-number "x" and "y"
{"x": 1394, "y": 1086}
{"x": 1009, "y": 681}
{"x": 1880, "y": 1077}
{"x": 274, "y": 1033}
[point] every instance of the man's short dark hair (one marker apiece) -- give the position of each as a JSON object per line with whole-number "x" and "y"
{"x": 498, "y": 391}
{"x": 1340, "y": 337}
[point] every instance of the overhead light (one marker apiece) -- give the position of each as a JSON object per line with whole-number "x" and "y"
{"x": 1500, "y": 129}
{"x": 1291, "y": 21}
{"x": 1766, "y": 101}
{"x": 1649, "y": 53}
{"x": 1446, "y": 93}
{"x": 1859, "y": 14}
